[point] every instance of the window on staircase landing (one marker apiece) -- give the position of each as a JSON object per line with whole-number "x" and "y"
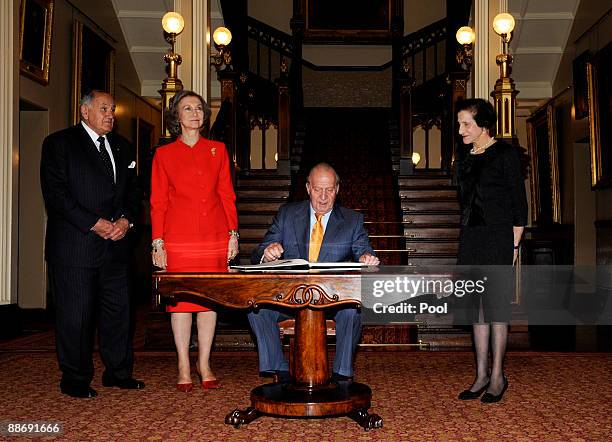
{"x": 427, "y": 143}
{"x": 263, "y": 147}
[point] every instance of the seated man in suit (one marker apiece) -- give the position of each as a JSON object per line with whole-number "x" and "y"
{"x": 316, "y": 230}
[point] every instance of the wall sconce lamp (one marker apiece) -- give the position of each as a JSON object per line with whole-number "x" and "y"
{"x": 222, "y": 37}
{"x": 416, "y": 158}
{"x": 173, "y": 24}
{"x": 465, "y": 36}
{"x": 504, "y": 93}
{"x": 503, "y": 25}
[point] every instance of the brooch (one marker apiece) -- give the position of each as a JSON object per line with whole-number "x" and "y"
{"x": 213, "y": 151}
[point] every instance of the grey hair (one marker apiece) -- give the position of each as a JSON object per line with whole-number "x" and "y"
{"x": 324, "y": 166}
{"x": 89, "y": 97}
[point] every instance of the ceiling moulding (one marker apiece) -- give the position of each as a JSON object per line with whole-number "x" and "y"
{"x": 149, "y": 49}
{"x": 547, "y": 16}
{"x": 141, "y": 14}
{"x": 538, "y": 50}
{"x": 150, "y": 88}
{"x": 534, "y": 89}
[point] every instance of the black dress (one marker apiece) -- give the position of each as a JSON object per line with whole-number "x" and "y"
{"x": 493, "y": 200}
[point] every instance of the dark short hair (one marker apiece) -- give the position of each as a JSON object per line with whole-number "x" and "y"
{"x": 171, "y": 115}
{"x": 482, "y": 111}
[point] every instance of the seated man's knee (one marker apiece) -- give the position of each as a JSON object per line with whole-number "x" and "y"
{"x": 348, "y": 314}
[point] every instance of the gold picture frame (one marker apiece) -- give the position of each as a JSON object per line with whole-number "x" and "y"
{"x": 144, "y": 142}
{"x": 544, "y": 182}
{"x": 35, "y": 32}
{"x": 599, "y": 73}
{"x": 93, "y": 65}
{"x": 338, "y": 22}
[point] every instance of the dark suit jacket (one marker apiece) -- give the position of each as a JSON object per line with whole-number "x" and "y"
{"x": 78, "y": 191}
{"x": 345, "y": 237}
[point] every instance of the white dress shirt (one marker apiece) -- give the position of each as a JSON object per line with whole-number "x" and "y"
{"x": 94, "y": 137}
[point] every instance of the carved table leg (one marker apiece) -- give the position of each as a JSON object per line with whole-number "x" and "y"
{"x": 366, "y": 420}
{"x": 237, "y": 418}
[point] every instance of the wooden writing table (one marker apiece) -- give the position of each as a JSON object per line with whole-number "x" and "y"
{"x": 310, "y": 393}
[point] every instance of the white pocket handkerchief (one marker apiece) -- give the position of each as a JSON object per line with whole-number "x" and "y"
{"x": 132, "y": 165}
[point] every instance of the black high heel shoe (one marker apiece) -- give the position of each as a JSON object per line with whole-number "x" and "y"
{"x": 489, "y": 398}
{"x": 467, "y": 395}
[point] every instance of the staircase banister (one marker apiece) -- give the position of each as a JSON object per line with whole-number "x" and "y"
{"x": 284, "y": 41}
{"x": 416, "y": 41}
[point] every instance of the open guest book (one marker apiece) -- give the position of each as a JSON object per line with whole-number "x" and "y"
{"x": 297, "y": 264}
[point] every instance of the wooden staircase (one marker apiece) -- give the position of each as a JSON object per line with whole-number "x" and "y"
{"x": 430, "y": 215}
{"x": 258, "y": 198}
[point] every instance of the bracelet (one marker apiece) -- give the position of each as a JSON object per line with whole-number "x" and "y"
{"x": 234, "y": 233}
{"x": 156, "y": 244}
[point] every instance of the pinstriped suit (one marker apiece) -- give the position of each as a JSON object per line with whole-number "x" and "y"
{"x": 88, "y": 274}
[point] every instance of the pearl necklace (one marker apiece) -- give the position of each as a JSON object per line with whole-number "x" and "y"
{"x": 476, "y": 150}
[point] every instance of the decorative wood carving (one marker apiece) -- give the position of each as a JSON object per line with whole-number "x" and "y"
{"x": 310, "y": 393}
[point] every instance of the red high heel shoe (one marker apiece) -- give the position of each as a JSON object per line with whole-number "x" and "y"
{"x": 185, "y": 388}
{"x": 213, "y": 384}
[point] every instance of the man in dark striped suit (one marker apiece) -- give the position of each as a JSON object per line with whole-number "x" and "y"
{"x": 89, "y": 185}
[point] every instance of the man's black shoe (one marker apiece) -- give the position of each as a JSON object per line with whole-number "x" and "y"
{"x": 78, "y": 390}
{"x": 280, "y": 376}
{"x": 126, "y": 384}
{"x": 337, "y": 377}
{"x": 283, "y": 377}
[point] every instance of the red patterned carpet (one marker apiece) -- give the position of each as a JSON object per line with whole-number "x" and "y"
{"x": 552, "y": 397}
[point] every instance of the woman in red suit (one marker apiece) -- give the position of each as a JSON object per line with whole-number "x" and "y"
{"x": 194, "y": 221}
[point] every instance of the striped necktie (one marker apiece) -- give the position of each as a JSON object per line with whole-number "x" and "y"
{"x": 316, "y": 238}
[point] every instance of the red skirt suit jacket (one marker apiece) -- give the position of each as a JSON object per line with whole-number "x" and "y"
{"x": 193, "y": 206}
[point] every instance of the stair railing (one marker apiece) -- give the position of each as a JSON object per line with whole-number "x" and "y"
{"x": 266, "y": 92}
{"x": 428, "y": 83}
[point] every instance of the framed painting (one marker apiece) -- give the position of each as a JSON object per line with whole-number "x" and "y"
{"x": 599, "y": 73}
{"x": 35, "y": 31}
{"x": 364, "y": 21}
{"x": 580, "y": 85}
{"x": 544, "y": 168}
{"x": 144, "y": 139}
{"x": 93, "y": 65}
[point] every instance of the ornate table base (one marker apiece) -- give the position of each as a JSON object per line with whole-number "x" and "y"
{"x": 344, "y": 398}
{"x": 310, "y": 394}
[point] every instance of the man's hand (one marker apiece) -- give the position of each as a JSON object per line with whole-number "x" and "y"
{"x": 103, "y": 228}
{"x": 369, "y": 259}
{"x": 273, "y": 252}
{"x": 232, "y": 248}
{"x": 120, "y": 228}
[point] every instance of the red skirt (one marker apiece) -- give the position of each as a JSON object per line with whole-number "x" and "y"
{"x": 200, "y": 257}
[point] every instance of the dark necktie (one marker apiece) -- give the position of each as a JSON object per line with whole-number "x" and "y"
{"x": 108, "y": 164}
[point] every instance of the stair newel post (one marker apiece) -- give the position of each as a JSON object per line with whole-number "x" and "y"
{"x": 297, "y": 25}
{"x": 457, "y": 92}
{"x": 283, "y": 166}
{"x": 397, "y": 32}
{"x": 229, "y": 94}
{"x": 406, "y": 83}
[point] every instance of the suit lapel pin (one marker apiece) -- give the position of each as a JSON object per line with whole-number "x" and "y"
{"x": 213, "y": 151}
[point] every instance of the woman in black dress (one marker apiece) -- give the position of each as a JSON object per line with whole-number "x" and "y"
{"x": 493, "y": 216}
